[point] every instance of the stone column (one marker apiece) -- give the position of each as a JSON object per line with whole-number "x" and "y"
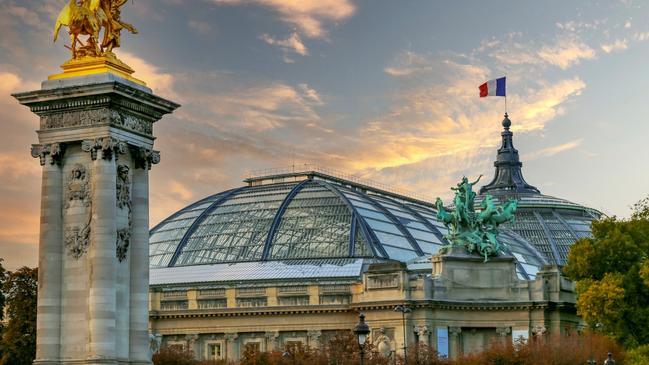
{"x": 455, "y": 341}
{"x": 422, "y": 333}
{"x": 50, "y": 257}
{"x": 139, "y": 260}
{"x": 231, "y": 348}
{"x": 271, "y": 340}
{"x": 314, "y": 338}
{"x": 102, "y": 297}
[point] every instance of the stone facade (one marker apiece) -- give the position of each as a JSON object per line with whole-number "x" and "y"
{"x": 95, "y": 146}
{"x": 459, "y": 305}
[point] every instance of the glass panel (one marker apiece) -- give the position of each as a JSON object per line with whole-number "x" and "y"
{"x": 392, "y": 239}
{"x": 383, "y": 226}
{"x": 313, "y": 226}
{"x": 237, "y": 229}
{"x": 399, "y": 254}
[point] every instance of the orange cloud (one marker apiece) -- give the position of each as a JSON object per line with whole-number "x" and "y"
{"x": 307, "y": 15}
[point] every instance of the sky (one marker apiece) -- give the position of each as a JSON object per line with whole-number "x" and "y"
{"x": 383, "y": 90}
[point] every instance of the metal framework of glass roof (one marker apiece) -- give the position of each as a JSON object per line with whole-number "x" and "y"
{"x": 307, "y": 216}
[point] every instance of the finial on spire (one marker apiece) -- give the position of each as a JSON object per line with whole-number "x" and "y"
{"x": 508, "y": 176}
{"x": 506, "y": 122}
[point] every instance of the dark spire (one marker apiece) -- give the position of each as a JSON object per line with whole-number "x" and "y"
{"x": 508, "y": 177}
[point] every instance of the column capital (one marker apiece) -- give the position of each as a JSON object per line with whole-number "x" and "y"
{"x": 503, "y": 331}
{"x": 144, "y": 158}
{"x": 108, "y": 146}
{"x": 271, "y": 335}
{"x": 231, "y": 336}
{"x": 53, "y": 150}
{"x": 314, "y": 334}
{"x": 455, "y": 330}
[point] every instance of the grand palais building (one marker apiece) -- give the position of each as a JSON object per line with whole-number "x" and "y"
{"x": 294, "y": 257}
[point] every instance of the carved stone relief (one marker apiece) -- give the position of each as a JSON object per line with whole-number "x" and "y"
{"x": 54, "y": 150}
{"x": 78, "y": 196}
{"x": 77, "y": 240}
{"x": 78, "y": 186}
{"x": 145, "y": 158}
{"x": 123, "y": 202}
{"x": 109, "y": 146}
{"x": 97, "y": 116}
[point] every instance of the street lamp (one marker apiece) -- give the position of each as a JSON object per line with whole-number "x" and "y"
{"x": 403, "y": 309}
{"x": 592, "y": 361}
{"x": 362, "y": 330}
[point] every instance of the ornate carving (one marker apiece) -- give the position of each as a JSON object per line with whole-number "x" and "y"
{"x": 98, "y": 116}
{"x": 54, "y": 150}
{"x": 123, "y": 241}
{"x": 382, "y": 342}
{"x": 78, "y": 186}
{"x": 145, "y": 158}
{"x": 123, "y": 187}
{"x": 123, "y": 201}
{"x": 539, "y": 330}
{"x": 77, "y": 240}
{"x": 109, "y": 146}
{"x": 314, "y": 335}
{"x": 503, "y": 331}
{"x": 231, "y": 336}
{"x": 455, "y": 331}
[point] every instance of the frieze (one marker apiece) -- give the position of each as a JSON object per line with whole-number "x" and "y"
{"x": 98, "y": 116}
{"x": 77, "y": 240}
{"x": 54, "y": 150}
{"x": 78, "y": 186}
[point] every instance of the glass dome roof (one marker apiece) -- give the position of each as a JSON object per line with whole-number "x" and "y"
{"x": 310, "y": 216}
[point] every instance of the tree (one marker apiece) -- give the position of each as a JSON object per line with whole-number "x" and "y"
{"x": 18, "y": 345}
{"x": 611, "y": 270}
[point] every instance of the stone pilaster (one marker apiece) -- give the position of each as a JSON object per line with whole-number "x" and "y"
{"x": 271, "y": 340}
{"x": 50, "y": 260}
{"x": 455, "y": 341}
{"x": 139, "y": 265}
{"x": 102, "y": 302}
{"x": 314, "y": 338}
{"x": 231, "y": 346}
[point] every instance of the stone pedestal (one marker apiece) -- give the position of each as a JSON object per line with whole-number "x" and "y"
{"x": 458, "y": 276}
{"x": 96, "y": 147}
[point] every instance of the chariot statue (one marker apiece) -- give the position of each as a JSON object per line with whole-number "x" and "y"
{"x": 477, "y": 231}
{"x": 87, "y": 18}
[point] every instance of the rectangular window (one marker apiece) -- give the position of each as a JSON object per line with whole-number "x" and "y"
{"x": 214, "y": 351}
{"x": 442, "y": 341}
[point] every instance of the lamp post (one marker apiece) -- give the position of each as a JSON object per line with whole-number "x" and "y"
{"x": 403, "y": 309}
{"x": 362, "y": 330}
{"x": 592, "y": 361}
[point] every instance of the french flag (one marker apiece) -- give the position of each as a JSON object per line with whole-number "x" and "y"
{"x": 495, "y": 87}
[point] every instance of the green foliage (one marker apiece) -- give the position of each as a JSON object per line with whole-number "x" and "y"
{"x": 638, "y": 356}
{"x": 18, "y": 345}
{"x": 612, "y": 274}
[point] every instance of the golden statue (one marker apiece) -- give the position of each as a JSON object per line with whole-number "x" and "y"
{"x": 88, "y": 18}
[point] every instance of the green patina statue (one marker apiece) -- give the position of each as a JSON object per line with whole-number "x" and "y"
{"x": 476, "y": 231}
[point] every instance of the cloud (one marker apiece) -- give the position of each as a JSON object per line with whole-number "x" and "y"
{"x": 553, "y": 150}
{"x": 162, "y": 83}
{"x": 617, "y": 45}
{"x": 200, "y": 27}
{"x": 292, "y": 44}
{"x": 307, "y": 15}
{"x": 406, "y": 64}
{"x": 564, "y": 52}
